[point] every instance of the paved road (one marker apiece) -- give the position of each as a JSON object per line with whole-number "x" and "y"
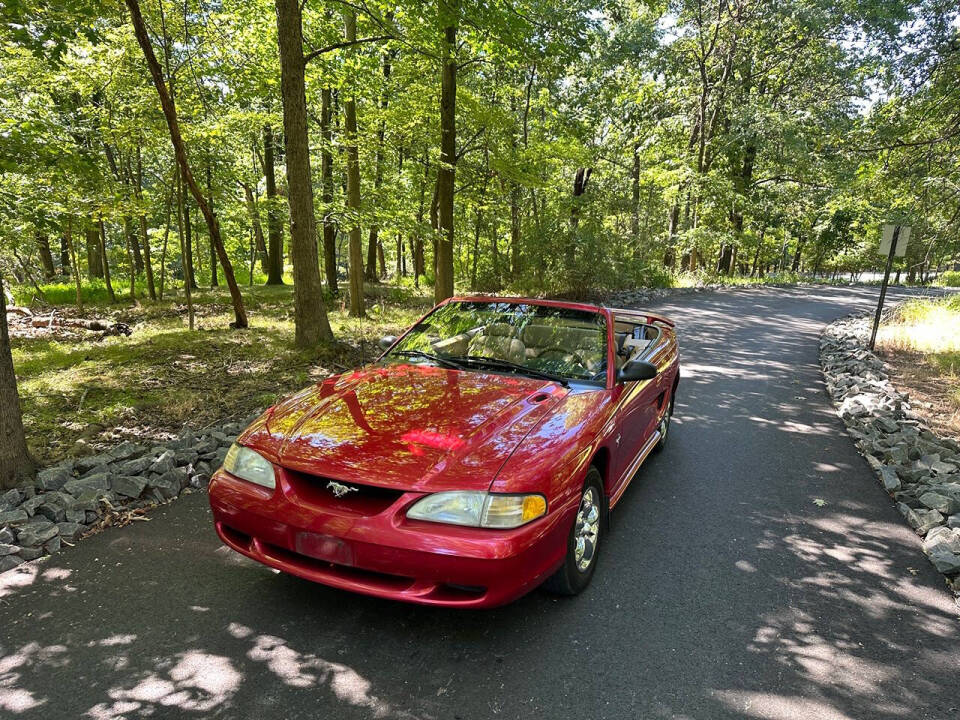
{"x": 726, "y": 589}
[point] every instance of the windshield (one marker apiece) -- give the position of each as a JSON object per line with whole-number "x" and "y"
{"x": 568, "y": 344}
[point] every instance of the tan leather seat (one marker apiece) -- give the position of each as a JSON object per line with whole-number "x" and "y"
{"x": 499, "y": 341}
{"x": 579, "y": 343}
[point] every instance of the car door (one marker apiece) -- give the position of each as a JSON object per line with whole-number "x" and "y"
{"x": 638, "y": 406}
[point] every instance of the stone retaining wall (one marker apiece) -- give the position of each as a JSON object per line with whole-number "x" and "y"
{"x": 72, "y": 499}
{"x": 919, "y": 470}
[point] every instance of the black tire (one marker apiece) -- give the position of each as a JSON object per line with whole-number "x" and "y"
{"x": 664, "y": 427}
{"x": 573, "y": 577}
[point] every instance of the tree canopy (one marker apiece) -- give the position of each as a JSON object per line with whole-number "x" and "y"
{"x": 529, "y": 146}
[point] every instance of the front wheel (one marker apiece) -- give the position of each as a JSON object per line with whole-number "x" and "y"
{"x": 664, "y": 426}
{"x": 583, "y": 543}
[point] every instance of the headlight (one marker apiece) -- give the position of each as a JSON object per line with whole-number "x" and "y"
{"x": 250, "y": 466}
{"x": 479, "y": 509}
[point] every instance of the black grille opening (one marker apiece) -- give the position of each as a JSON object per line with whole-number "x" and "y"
{"x": 359, "y": 500}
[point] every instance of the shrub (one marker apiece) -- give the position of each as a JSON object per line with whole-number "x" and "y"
{"x": 951, "y": 278}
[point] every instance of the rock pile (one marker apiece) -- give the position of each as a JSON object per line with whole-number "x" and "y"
{"x": 918, "y": 469}
{"x": 68, "y": 500}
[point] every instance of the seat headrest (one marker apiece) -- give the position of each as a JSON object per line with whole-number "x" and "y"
{"x": 499, "y": 330}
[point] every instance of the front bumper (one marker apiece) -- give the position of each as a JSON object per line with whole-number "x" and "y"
{"x": 382, "y": 553}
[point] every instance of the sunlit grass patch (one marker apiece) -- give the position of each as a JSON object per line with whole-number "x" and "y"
{"x": 921, "y": 343}
{"x": 163, "y": 376}
{"x": 924, "y": 325}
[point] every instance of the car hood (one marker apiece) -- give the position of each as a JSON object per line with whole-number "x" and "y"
{"x": 407, "y": 427}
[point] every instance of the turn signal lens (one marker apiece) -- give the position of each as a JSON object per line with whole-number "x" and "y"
{"x": 533, "y": 507}
{"x": 510, "y": 511}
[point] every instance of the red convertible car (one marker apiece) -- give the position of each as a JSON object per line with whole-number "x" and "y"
{"x": 475, "y": 459}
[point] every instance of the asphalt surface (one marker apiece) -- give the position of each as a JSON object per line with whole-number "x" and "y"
{"x": 755, "y": 569}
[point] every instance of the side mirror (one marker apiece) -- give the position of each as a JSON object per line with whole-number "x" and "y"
{"x": 386, "y": 341}
{"x": 637, "y": 370}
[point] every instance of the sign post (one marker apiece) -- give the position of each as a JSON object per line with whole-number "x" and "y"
{"x": 893, "y": 243}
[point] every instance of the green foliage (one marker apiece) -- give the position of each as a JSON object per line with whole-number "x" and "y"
{"x": 950, "y": 278}
{"x": 704, "y": 129}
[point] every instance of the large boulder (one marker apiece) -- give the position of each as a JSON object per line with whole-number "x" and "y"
{"x": 170, "y": 483}
{"x": 13, "y": 517}
{"x": 921, "y": 520}
{"x": 54, "y": 478}
{"x": 35, "y": 535}
{"x": 70, "y": 530}
{"x": 85, "y": 465}
{"x": 164, "y": 463}
{"x": 889, "y": 478}
{"x": 942, "y": 546}
{"x": 9, "y": 562}
{"x": 77, "y": 486}
{"x": 128, "y": 485}
{"x": 941, "y": 503}
{"x": 30, "y": 506}
{"x": 10, "y": 499}
{"x": 54, "y": 506}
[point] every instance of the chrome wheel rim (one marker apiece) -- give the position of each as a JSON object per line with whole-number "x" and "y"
{"x": 587, "y": 529}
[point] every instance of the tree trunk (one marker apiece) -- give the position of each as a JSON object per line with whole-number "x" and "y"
{"x": 419, "y": 265}
{"x": 214, "y": 281}
{"x": 446, "y": 173}
{"x": 477, "y": 228}
{"x": 64, "y": 257}
{"x": 326, "y": 182}
{"x": 580, "y": 181}
{"x": 16, "y": 465}
{"x": 106, "y": 261}
{"x": 374, "y": 239}
{"x": 274, "y": 224}
{"x": 133, "y": 267}
{"x": 357, "y": 308}
{"x": 187, "y": 259}
{"x": 310, "y": 315}
{"x": 68, "y": 237}
{"x": 635, "y": 198}
{"x": 169, "y": 111}
{"x": 166, "y": 236}
{"x": 144, "y": 235}
{"x": 46, "y": 257}
{"x": 260, "y": 247}
{"x": 94, "y": 263}
{"x": 795, "y": 266}
{"x": 182, "y": 234}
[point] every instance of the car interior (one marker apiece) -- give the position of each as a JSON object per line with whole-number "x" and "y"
{"x": 548, "y": 344}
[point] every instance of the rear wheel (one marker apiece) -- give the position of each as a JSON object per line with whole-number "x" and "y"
{"x": 583, "y": 543}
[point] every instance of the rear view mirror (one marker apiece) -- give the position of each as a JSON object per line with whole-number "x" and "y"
{"x": 637, "y": 370}
{"x": 386, "y": 341}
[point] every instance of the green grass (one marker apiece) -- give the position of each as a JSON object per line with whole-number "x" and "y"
{"x": 163, "y": 376}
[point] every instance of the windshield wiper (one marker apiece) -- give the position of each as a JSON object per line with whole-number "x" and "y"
{"x": 454, "y": 364}
{"x": 515, "y": 367}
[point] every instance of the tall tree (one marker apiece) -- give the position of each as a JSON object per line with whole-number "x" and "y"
{"x": 326, "y": 183}
{"x": 310, "y": 315}
{"x": 16, "y": 464}
{"x": 274, "y": 223}
{"x": 357, "y": 308}
{"x": 170, "y": 112}
{"x": 443, "y": 286}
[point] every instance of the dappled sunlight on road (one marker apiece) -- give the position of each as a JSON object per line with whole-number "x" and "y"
{"x": 754, "y": 569}
{"x": 196, "y": 681}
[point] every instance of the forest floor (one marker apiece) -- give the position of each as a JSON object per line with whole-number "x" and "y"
{"x": 83, "y": 391}
{"x": 920, "y": 343}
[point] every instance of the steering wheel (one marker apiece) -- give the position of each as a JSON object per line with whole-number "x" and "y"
{"x": 563, "y": 351}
